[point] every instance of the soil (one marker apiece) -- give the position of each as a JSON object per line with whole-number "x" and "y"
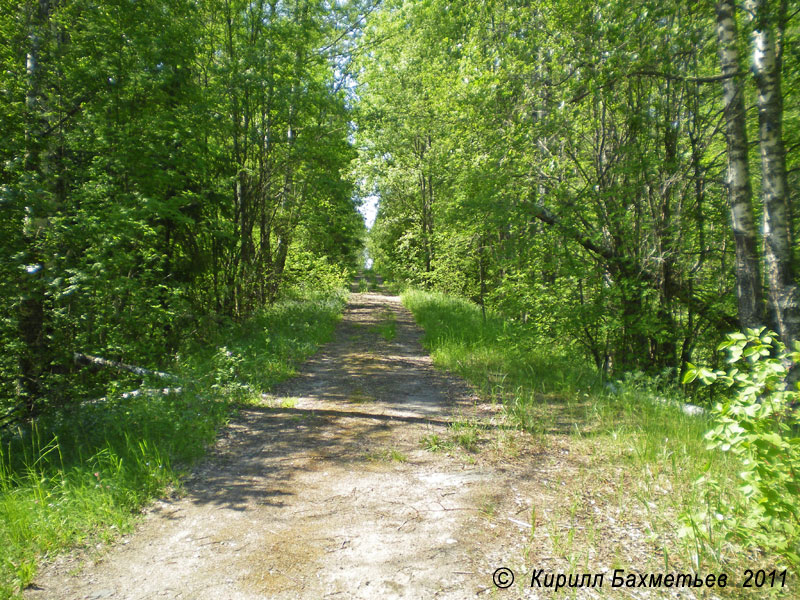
{"x": 348, "y": 482}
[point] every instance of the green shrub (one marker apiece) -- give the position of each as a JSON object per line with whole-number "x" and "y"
{"x": 758, "y": 422}
{"x": 307, "y": 274}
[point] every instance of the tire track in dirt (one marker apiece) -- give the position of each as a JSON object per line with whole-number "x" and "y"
{"x": 301, "y": 497}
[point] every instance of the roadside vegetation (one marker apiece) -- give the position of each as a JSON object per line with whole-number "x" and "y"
{"x": 165, "y": 253}
{"x": 368, "y": 281}
{"x": 180, "y": 181}
{"x": 592, "y": 177}
{"x": 633, "y": 435}
{"x": 78, "y": 476}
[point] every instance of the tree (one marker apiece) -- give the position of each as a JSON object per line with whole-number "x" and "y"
{"x": 740, "y": 191}
{"x": 160, "y": 160}
{"x": 769, "y": 23}
{"x": 577, "y": 149}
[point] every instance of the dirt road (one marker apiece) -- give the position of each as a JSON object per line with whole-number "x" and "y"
{"x": 347, "y": 483}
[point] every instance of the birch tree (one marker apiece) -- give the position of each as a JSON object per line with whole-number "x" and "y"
{"x": 769, "y": 21}
{"x": 740, "y": 191}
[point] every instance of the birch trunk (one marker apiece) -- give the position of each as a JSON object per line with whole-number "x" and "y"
{"x": 740, "y": 193}
{"x": 31, "y": 318}
{"x": 784, "y": 296}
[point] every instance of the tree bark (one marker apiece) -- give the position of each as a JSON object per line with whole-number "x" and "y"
{"x": 784, "y": 296}
{"x": 740, "y": 193}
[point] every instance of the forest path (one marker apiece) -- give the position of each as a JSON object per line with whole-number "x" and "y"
{"x": 326, "y": 491}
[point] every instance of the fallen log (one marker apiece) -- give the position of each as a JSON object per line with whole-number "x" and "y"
{"x": 97, "y": 361}
{"x": 136, "y": 393}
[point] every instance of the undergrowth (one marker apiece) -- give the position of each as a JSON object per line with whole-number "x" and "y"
{"x": 79, "y": 476}
{"x": 631, "y": 433}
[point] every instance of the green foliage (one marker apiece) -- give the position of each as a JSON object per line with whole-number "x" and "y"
{"x": 310, "y": 275}
{"x": 174, "y": 181}
{"x": 759, "y": 422}
{"x": 146, "y": 182}
{"x": 584, "y": 202}
{"x": 241, "y": 359}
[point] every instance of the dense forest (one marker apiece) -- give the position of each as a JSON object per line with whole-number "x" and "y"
{"x": 598, "y": 171}
{"x": 163, "y": 161}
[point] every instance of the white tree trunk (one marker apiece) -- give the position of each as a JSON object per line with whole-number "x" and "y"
{"x": 740, "y": 192}
{"x": 784, "y": 297}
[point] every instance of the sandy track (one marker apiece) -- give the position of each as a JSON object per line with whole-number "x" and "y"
{"x": 301, "y": 497}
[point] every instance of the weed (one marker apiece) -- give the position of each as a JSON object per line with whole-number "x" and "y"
{"x": 25, "y": 572}
{"x": 465, "y": 434}
{"x": 397, "y": 456}
{"x": 434, "y": 443}
{"x": 386, "y": 455}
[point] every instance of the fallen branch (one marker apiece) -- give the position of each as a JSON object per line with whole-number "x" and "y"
{"x": 98, "y": 361}
{"x": 135, "y": 393}
{"x": 151, "y": 392}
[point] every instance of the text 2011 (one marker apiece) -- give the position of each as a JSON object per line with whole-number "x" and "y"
{"x": 761, "y": 578}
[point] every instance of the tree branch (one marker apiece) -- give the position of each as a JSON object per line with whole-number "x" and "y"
{"x": 709, "y": 79}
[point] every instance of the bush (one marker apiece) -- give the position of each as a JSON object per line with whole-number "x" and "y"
{"x": 307, "y": 274}
{"x": 759, "y": 423}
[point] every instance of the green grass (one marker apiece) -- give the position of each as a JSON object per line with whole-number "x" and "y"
{"x": 433, "y": 442}
{"x": 465, "y": 434}
{"x": 629, "y": 435}
{"x": 495, "y": 355}
{"x": 460, "y": 433}
{"x": 386, "y": 455}
{"x": 80, "y": 476}
{"x": 387, "y": 328}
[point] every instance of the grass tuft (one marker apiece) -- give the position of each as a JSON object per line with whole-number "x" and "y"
{"x": 387, "y": 328}
{"x": 386, "y": 455}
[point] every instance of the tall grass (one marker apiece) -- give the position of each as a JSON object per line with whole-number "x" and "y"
{"x": 632, "y": 429}
{"x": 496, "y": 355}
{"x": 81, "y": 475}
